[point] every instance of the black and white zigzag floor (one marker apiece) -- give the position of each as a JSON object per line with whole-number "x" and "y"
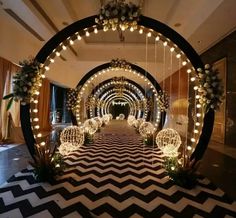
{"x": 116, "y": 177}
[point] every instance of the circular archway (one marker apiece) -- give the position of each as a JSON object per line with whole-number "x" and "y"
{"x": 183, "y": 49}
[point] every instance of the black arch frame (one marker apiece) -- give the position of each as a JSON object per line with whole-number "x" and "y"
{"x": 147, "y": 22}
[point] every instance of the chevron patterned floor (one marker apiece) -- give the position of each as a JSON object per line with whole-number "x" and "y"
{"x": 116, "y": 177}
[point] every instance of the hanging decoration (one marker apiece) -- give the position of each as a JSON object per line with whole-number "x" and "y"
{"x": 71, "y": 98}
{"x": 210, "y": 88}
{"x": 118, "y": 15}
{"x": 119, "y": 64}
{"x": 26, "y": 82}
{"x": 163, "y": 100}
{"x": 91, "y": 102}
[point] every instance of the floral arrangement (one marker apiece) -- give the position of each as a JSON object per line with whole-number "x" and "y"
{"x": 26, "y": 82}
{"x": 210, "y": 87}
{"x": 47, "y": 164}
{"x": 181, "y": 174}
{"x": 120, "y": 64}
{"x": 71, "y": 98}
{"x": 163, "y": 100}
{"x": 117, "y": 14}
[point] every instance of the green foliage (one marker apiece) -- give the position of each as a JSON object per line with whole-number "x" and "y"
{"x": 184, "y": 176}
{"x": 47, "y": 165}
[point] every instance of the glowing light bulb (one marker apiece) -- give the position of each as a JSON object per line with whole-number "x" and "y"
{"x": 52, "y": 60}
{"x": 36, "y": 127}
{"x": 196, "y": 131}
{"x": 193, "y": 140}
{"x": 172, "y": 49}
{"x": 39, "y": 135}
{"x": 198, "y": 115}
{"x": 189, "y": 70}
{"x": 71, "y": 42}
{"x": 131, "y": 29}
{"x": 193, "y": 79}
{"x": 184, "y": 63}
{"x": 165, "y": 43}
{"x": 36, "y": 119}
{"x": 79, "y": 37}
{"x": 197, "y": 96}
{"x": 87, "y": 34}
{"x": 64, "y": 47}
{"x": 95, "y": 30}
{"x": 47, "y": 68}
{"x": 189, "y": 148}
{"x": 198, "y": 106}
{"x": 42, "y": 143}
{"x": 195, "y": 87}
{"x": 178, "y": 55}
{"x": 172, "y": 168}
{"x": 149, "y": 34}
{"x": 58, "y": 54}
{"x": 35, "y": 110}
{"x": 157, "y": 38}
{"x": 197, "y": 124}
{"x": 141, "y": 31}
{"x": 43, "y": 76}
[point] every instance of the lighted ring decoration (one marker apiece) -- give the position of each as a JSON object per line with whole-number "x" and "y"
{"x": 153, "y": 28}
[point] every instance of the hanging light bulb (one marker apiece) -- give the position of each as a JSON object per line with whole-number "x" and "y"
{"x": 189, "y": 71}
{"x": 131, "y": 29}
{"x": 193, "y": 140}
{"x": 172, "y": 49}
{"x": 58, "y": 54}
{"x": 195, "y": 87}
{"x": 64, "y": 47}
{"x": 189, "y": 148}
{"x": 95, "y": 30}
{"x": 79, "y": 37}
{"x": 43, "y": 76}
{"x": 184, "y": 63}
{"x": 47, "y": 68}
{"x": 157, "y": 38}
{"x": 196, "y": 131}
{"x": 52, "y": 60}
{"x": 149, "y": 34}
{"x": 87, "y": 34}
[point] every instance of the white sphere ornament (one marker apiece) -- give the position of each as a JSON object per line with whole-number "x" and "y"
{"x": 90, "y": 126}
{"x": 106, "y": 118}
{"x": 146, "y": 129}
{"x": 73, "y": 135}
{"x": 168, "y": 141}
{"x": 121, "y": 116}
{"x": 130, "y": 120}
{"x": 66, "y": 148}
{"x": 110, "y": 116}
{"x": 99, "y": 121}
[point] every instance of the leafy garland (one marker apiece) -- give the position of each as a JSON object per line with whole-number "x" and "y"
{"x": 71, "y": 98}
{"x": 26, "y": 82}
{"x": 163, "y": 100}
{"x": 117, "y": 14}
{"x": 120, "y": 64}
{"x": 210, "y": 87}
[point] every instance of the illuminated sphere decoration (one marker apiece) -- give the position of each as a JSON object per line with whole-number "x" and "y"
{"x": 168, "y": 141}
{"x": 146, "y": 129}
{"x": 99, "y": 121}
{"x": 130, "y": 120}
{"x": 135, "y": 123}
{"x": 121, "y": 116}
{"x": 72, "y": 137}
{"x": 106, "y": 119}
{"x": 111, "y": 117}
{"x": 139, "y": 122}
{"x": 66, "y": 148}
{"x": 90, "y": 126}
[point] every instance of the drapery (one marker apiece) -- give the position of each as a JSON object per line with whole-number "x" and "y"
{"x": 44, "y": 106}
{"x": 9, "y": 119}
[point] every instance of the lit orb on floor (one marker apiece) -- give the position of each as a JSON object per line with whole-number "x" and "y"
{"x": 130, "y": 120}
{"x": 146, "y": 129}
{"x": 90, "y": 126}
{"x": 139, "y": 122}
{"x": 111, "y": 117}
{"x": 66, "y": 148}
{"x": 168, "y": 141}
{"x": 99, "y": 121}
{"x": 106, "y": 119}
{"x": 121, "y": 116}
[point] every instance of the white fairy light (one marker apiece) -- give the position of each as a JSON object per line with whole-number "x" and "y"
{"x": 172, "y": 49}
{"x": 178, "y": 55}
{"x": 95, "y": 30}
{"x": 193, "y": 140}
{"x": 157, "y": 38}
{"x": 149, "y": 34}
{"x": 47, "y": 68}
{"x": 64, "y": 47}
{"x": 79, "y": 37}
{"x": 71, "y": 42}
{"x": 141, "y": 31}
{"x": 52, "y": 60}
{"x": 184, "y": 63}
{"x": 189, "y": 70}
{"x": 189, "y": 148}
{"x": 58, "y": 54}
{"x": 165, "y": 43}
{"x": 87, "y": 34}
